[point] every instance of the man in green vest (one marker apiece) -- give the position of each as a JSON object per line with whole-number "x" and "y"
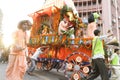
{"x": 114, "y": 60}
{"x": 98, "y": 64}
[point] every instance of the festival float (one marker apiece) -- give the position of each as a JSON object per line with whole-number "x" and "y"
{"x": 69, "y": 50}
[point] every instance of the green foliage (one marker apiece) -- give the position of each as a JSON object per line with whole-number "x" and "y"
{"x": 64, "y": 10}
{"x": 68, "y": 33}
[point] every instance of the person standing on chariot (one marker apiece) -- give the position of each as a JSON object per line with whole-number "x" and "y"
{"x": 98, "y": 63}
{"x": 92, "y": 19}
{"x": 17, "y": 63}
{"x": 63, "y": 25}
{"x": 67, "y": 25}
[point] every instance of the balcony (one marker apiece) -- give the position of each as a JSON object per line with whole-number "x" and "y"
{"x": 88, "y": 8}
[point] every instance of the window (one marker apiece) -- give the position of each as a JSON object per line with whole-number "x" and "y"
{"x": 100, "y": 11}
{"x": 80, "y": 15}
{"x": 89, "y": 13}
{"x": 99, "y": 25}
{"x": 75, "y": 4}
{"x": 84, "y": 14}
{"x": 94, "y": 2}
{"x": 99, "y": 1}
{"x": 80, "y": 4}
{"x": 84, "y": 3}
{"x": 89, "y": 3}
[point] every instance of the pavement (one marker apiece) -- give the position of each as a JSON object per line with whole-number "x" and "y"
{"x": 26, "y": 77}
{"x": 2, "y": 71}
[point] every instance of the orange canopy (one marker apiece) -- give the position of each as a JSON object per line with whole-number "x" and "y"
{"x": 47, "y": 11}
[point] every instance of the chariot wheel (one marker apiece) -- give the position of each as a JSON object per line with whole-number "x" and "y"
{"x": 77, "y": 66}
{"x": 47, "y": 65}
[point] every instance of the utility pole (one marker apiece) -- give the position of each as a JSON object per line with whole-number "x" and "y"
{"x": 117, "y": 26}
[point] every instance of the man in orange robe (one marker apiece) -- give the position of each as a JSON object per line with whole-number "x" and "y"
{"x": 17, "y": 63}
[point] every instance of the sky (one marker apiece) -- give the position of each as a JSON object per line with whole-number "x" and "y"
{"x": 16, "y": 10}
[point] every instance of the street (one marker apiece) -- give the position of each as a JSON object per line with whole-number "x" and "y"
{"x": 38, "y": 74}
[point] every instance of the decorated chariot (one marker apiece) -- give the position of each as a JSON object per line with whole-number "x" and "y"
{"x": 69, "y": 50}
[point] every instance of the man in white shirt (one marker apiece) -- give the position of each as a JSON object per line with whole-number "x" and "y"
{"x": 34, "y": 57}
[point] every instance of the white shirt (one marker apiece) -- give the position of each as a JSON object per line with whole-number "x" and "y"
{"x": 62, "y": 26}
{"x": 37, "y": 53}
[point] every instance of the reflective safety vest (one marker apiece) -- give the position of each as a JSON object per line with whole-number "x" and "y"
{"x": 115, "y": 60}
{"x": 98, "y": 46}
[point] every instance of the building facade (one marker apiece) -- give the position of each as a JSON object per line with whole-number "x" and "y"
{"x": 1, "y": 18}
{"x": 109, "y": 11}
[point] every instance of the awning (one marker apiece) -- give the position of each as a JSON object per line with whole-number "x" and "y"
{"x": 48, "y": 11}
